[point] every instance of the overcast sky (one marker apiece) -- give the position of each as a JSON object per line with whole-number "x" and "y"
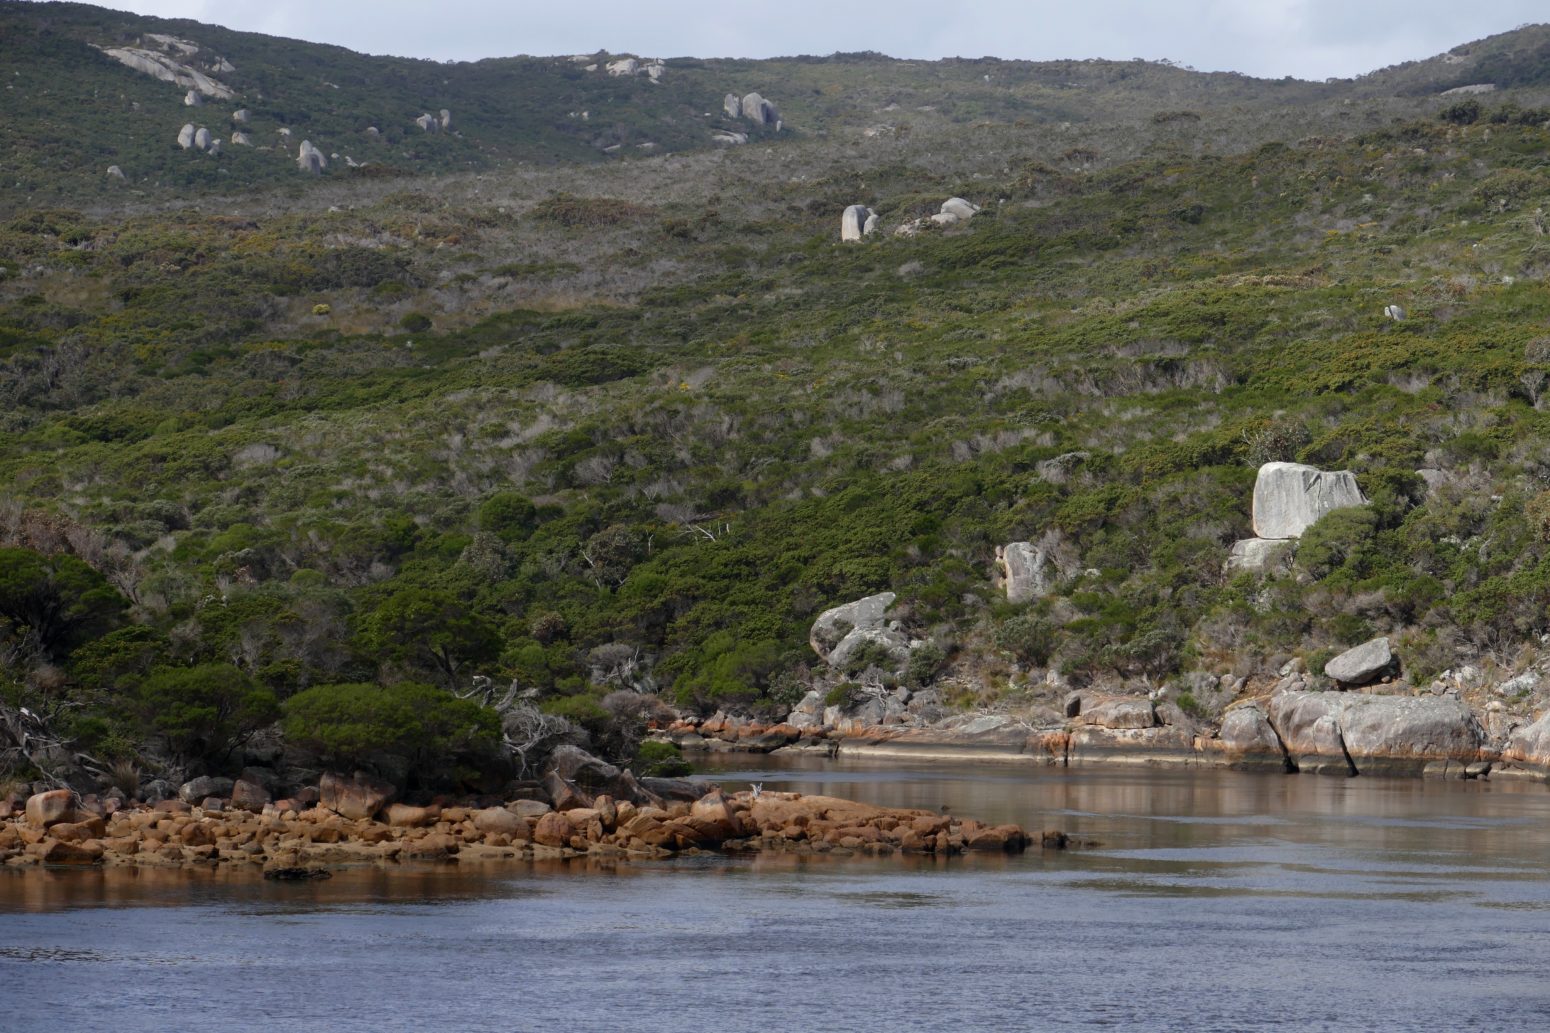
{"x": 1310, "y": 39}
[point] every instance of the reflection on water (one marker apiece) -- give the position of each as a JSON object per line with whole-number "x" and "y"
{"x": 1213, "y": 901}
{"x": 1472, "y": 824}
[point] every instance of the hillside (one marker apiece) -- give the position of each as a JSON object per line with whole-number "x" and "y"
{"x": 74, "y": 109}
{"x": 623, "y": 428}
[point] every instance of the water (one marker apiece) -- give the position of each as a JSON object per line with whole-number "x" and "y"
{"x": 1213, "y": 901}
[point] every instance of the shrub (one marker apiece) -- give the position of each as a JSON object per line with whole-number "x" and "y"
{"x": 1461, "y": 113}
{"x": 1031, "y": 639}
{"x": 925, "y": 661}
{"x": 1335, "y": 538}
{"x": 1537, "y": 510}
{"x": 658, "y": 759}
{"x": 359, "y": 725}
{"x": 845, "y": 695}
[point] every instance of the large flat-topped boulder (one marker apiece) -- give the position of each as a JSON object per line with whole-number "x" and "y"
{"x": 1362, "y": 664}
{"x": 1290, "y": 497}
{"x": 1258, "y": 555}
{"x": 1345, "y": 733}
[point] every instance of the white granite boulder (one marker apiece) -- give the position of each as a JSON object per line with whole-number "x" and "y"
{"x": 1346, "y": 733}
{"x": 1026, "y": 571}
{"x": 853, "y": 223}
{"x": 1248, "y": 741}
{"x": 309, "y": 159}
{"x": 186, "y": 137}
{"x": 1362, "y": 664}
{"x": 732, "y": 104}
{"x": 959, "y": 208}
{"x": 1290, "y": 497}
{"x": 757, "y": 109}
{"x": 841, "y": 632}
{"x": 1258, "y": 555}
{"x": 1530, "y": 744}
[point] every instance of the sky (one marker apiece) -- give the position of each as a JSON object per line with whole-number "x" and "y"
{"x": 1309, "y": 39}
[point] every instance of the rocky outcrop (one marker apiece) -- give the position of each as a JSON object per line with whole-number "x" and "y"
{"x": 1363, "y": 664}
{"x": 760, "y": 111}
{"x": 728, "y": 138}
{"x": 50, "y": 808}
{"x": 1395, "y": 312}
{"x": 310, "y": 160}
{"x": 1529, "y": 746}
{"x": 732, "y": 104}
{"x": 444, "y": 119}
{"x": 241, "y": 116}
{"x": 854, "y": 222}
{"x": 203, "y": 787}
{"x": 356, "y": 797}
{"x": 168, "y": 69}
{"x": 959, "y": 209}
{"x": 1259, "y": 555}
{"x": 1290, "y": 497}
{"x": 250, "y": 794}
{"x": 241, "y": 139}
{"x": 622, "y": 67}
{"x": 1247, "y": 742}
{"x": 1471, "y": 89}
{"x": 839, "y": 634}
{"x": 1348, "y": 734}
{"x": 198, "y": 139}
{"x": 428, "y": 122}
{"x": 114, "y": 172}
{"x": 1026, "y": 571}
{"x": 1120, "y": 712}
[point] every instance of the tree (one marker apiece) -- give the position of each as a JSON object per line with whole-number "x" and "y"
{"x": 432, "y": 630}
{"x": 204, "y": 712}
{"x": 58, "y": 600}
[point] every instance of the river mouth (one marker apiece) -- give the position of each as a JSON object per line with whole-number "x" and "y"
{"x": 1208, "y": 900}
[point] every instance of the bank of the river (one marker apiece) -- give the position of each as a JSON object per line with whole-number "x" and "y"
{"x": 1375, "y": 732}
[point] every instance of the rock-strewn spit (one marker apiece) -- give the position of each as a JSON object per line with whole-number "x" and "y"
{"x": 55, "y": 828}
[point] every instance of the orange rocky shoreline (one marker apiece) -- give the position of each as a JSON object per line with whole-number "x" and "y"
{"x": 289, "y": 838}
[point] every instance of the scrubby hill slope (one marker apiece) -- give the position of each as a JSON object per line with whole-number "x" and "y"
{"x": 633, "y": 426}
{"x": 73, "y": 110}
